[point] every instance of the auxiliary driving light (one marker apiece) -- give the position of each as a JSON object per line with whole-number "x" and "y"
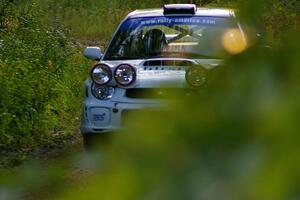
{"x": 196, "y": 76}
{"x": 101, "y": 74}
{"x": 125, "y": 74}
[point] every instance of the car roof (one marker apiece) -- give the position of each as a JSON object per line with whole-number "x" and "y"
{"x": 207, "y": 12}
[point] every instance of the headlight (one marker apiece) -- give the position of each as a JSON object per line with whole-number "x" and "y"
{"x": 125, "y": 74}
{"x": 196, "y": 76}
{"x": 102, "y": 92}
{"x": 101, "y": 74}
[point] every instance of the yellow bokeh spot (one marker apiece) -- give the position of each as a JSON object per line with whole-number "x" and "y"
{"x": 234, "y": 41}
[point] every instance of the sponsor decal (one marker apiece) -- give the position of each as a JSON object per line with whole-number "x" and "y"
{"x": 176, "y": 20}
{"x": 157, "y": 21}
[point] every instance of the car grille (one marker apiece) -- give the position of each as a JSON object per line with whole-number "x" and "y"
{"x": 158, "y": 93}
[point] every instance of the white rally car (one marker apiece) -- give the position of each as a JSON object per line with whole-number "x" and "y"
{"x": 152, "y": 52}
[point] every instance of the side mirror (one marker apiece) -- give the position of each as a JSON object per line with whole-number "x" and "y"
{"x": 93, "y": 53}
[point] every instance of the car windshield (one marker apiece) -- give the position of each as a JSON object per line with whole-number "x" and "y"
{"x": 176, "y": 36}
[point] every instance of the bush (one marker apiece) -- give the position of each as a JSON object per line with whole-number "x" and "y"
{"x": 38, "y": 79}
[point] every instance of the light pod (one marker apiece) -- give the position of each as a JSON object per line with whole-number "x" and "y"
{"x": 196, "y": 76}
{"x": 101, "y": 74}
{"x": 125, "y": 74}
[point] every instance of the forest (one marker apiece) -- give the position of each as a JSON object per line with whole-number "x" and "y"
{"x": 240, "y": 138}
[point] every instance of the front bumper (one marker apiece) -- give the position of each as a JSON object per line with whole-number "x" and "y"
{"x": 107, "y": 116}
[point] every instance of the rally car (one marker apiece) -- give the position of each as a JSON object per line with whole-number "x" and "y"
{"x": 152, "y": 52}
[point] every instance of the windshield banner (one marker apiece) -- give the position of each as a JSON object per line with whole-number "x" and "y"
{"x": 167, "y": 21}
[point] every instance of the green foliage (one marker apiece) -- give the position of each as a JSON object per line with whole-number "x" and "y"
{"x": 276, "y": 16}
{"x": 283, "y": 16}
{"x": 97, "y": 19}
{"x": 39, "y": 80}
{"x": 237, "y": 139}
{"x": 94, "y": 21}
